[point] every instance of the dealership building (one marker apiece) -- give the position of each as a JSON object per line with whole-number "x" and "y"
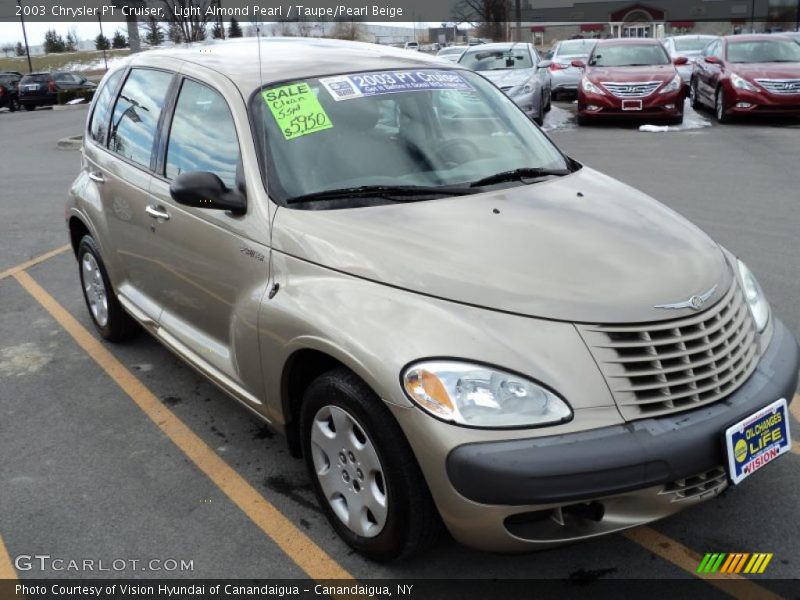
{"x": 544, "y": 21}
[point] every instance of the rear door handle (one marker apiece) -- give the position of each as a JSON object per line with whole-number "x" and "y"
{"x": 157, "y": 212}
{"x": 97, "y": 176}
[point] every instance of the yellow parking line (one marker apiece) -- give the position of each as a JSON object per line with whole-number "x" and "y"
{"x": 679, "y": 555}
{"x": 292, "y": 541}
{"x": 6, "y": 566}
{"x": 34, "y": 261}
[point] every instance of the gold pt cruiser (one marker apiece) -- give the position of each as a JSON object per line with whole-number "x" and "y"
{"x": 451, "y": 321}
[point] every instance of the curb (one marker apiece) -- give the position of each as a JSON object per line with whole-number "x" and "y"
{"x": 70, "y": 143}
{"x": 70, "y": 106}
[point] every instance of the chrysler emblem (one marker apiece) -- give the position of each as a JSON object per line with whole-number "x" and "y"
{"x": 696, "y": 302}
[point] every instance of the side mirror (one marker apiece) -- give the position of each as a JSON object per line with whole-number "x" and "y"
{"x": 712, "y": 60}
{"x": 201, "y": 189}
{"x": 544, "y": 64}
{"x": 680, "y": 60}
{"x": 578, "y": 64}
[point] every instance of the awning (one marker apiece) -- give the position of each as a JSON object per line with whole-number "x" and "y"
{"x": 538, "y": 29}
{"x": 592, "y": 27}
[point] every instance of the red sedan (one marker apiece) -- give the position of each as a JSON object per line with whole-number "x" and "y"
{"x": 748, "y": 74}
{"x": 631, "y": 78}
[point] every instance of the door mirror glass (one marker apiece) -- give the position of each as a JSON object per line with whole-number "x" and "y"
{"x": 201, "y": 189}
{"x": 712, "y": 60}
{"x": 578, "y": 64}
{"x": 680, "y": 60}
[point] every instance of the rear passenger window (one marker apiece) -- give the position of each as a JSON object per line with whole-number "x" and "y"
{"x": 135, "y": 118}
{"x": 98, "y": 128}
{"x": 203, "y": 136}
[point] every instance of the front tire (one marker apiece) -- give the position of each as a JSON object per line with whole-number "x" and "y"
{"x": 13, "y": 105}
{"x": 363, "y": 471}
{"x": 694, "y": 99}
{"x": 719, "y": 107}
{"x": 108, "y": 316}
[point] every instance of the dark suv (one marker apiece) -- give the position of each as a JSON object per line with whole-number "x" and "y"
{"x": 9, "y": 82}
{"x": 41, "y": 89}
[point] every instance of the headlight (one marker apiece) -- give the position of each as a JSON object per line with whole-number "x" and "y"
{"x": 743, "y": 84}
{"x": 521, "y": 89}
{"x": 480, "y": 396}
{"x": 588, "y": 86}
{"x": 759, "y": 307}
{"x": 673, "y": 86}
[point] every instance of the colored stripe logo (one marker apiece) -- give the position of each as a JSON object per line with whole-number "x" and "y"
{"x": 735, "y": 562}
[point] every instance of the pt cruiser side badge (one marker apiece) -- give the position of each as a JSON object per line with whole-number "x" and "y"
{"x": 696, "y": 302}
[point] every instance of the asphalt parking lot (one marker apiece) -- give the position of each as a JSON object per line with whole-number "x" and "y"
{"x": 122, "y": 452}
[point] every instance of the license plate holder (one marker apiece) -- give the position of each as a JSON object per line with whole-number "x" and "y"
{"x": 631, "y": 105}
{"x": 757, "y": 440}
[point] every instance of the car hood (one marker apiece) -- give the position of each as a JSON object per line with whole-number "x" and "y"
{"x": 638, "y": 74}
{"x": 582, "y": 248}
{"x": 767, "y": 70}
{"x": 508, "y": 77}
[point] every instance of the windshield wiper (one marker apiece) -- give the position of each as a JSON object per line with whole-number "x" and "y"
{"x": 383, "y": 191}
{"x": 519, "y": 175}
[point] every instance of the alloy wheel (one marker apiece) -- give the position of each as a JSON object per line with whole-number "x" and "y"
{"x": 349, "y": 471}
{"x": 94, "y": 289}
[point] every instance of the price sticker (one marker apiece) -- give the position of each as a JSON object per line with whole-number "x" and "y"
{"x": 296, "y": 110}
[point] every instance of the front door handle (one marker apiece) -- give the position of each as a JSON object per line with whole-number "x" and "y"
{"x": 97, "y": 177}
{"x": 157, "y": 212}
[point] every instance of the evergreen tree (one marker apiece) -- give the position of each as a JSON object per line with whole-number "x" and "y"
{"x": 20, "y": 49}
{"x": 154, "y": 33}
{"x": 119, "y": 40}
{"x": 174, "y": 33}
{"x": 101, "y": 42}
{"x": 218, "y": 31}
{"x": 71, "y": 45}
{"x": 234, "y": 30}
{"x": 53, "y": 42}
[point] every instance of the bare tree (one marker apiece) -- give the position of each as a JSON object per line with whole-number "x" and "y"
{"x": 348, "y": 30}
{"x": 7, "y": 49}
{"x": 283, "y": 29}
{"x": 189, "y": 16}
{"x": 488, "y": 16}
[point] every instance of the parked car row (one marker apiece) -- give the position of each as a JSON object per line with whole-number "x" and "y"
{"x": 38, "y": 89}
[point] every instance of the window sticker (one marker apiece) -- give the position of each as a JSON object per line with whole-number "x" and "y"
{"x": 296, "y": 110}
{"x": 347, "y": 87}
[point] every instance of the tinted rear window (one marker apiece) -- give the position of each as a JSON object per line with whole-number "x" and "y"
{"x": 36, "y": 78}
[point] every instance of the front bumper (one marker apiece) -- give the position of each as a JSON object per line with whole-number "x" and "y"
{"x": 655, "y": 106}
{"x": 529, "y": 102}
{"x": 762, "y": 103}
{"x": 523, "y": 494}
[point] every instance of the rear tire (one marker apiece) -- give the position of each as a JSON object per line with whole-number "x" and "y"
{"x": 108, "y": 316}
{"x": 13, "y": 105}
{"x": 363, "y": 470}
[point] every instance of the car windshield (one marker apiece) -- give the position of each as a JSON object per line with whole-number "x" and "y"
{"x": 629, "y": 55}
{"x": 691, "y": 44}
{"x": 8, "y": 78}
{"x": 575, "y": 48}
{"x": 758, "y": 51}
{"x": 497, "y": 58}
{"x": 428, "y": 129}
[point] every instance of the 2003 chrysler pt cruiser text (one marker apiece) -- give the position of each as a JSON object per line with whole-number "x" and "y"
{"x": 449, "y": 319}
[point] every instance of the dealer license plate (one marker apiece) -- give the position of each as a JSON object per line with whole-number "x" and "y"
{"x": 757, "y": 440}
{"x": 631, "y": 105}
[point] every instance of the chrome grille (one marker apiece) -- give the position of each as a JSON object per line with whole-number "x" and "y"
{"x": 668, "y": 366}
{"x": 780, "y": 86}
{"x": 634, "y": 89}
{"x": 703, "y": 484}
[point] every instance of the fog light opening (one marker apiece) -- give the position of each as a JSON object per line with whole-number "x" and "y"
{"x": 593, "y": 108}
{"x": 743, "y": 105}
{"x": 591, "y": 511}
{"x": 669, "y": 106}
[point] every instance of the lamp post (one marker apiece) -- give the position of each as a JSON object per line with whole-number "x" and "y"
{"x": 25, "y": 36}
